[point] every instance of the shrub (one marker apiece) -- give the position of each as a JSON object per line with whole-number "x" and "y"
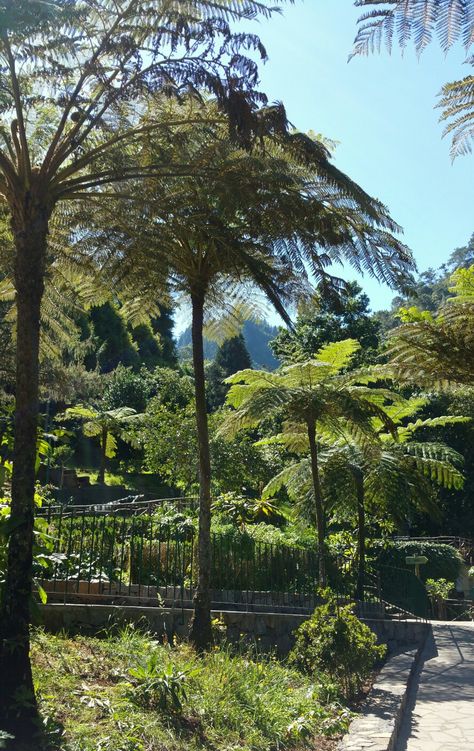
{"x": 241, "y": 510}
{"x": 337, "y": 643}
{"x": 439, "y": 591}
{"x": 158, "y": 687}
{"x": 444, "y": 561}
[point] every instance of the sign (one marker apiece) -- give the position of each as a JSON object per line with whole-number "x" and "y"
{"x": 416, "y": 560}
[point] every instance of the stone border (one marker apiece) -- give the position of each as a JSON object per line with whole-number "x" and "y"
{"x": 378, "y": 727}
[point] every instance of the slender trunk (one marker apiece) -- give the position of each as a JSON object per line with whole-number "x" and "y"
{"x": 360, "y": 538}
{"x": 201, "y": 630}
{"x": 103, "y": 452}
{"x": 19, "y": 716}
{"x": 318, "y": 499}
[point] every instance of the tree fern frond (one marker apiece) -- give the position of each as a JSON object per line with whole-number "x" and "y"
{"x": 417, "y": 20}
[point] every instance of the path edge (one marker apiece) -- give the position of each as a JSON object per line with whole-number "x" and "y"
{"x": 377, "y": 727}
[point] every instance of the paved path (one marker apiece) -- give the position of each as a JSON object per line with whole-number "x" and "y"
{"x": 440, "y": 711}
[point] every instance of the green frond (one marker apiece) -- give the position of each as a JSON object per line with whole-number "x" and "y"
{"x": 433, "y": 422}
{"x": 413, "y": 20}
{"x": 91, "y": 429}
{"x": 457, "y": 104}
{"x": 338, "y": 354}
{"x": 110, "y": 446}
{"x": 282, "y": 479}
{"x": 83, "y": 413}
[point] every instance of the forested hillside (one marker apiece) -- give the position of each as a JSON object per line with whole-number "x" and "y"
{"x": 257, "y": 335}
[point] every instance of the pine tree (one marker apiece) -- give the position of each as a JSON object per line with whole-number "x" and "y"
{"x": 231, "y": 356}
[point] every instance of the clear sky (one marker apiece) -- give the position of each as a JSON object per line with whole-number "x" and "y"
{"x": 380, "y": 110}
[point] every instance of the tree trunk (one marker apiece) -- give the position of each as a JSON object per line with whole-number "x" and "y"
{"x": 360, "y": 538}
{"x": 318, "y": 499}
{"x": 103, "y": 452}
{"x": 201, "y": 630}
{"x": 19, "y": 716}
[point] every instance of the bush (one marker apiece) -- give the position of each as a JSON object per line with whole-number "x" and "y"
{"x": 444, "y": 561}
{"x": 336, "y": 642}
{"x": 158, "y": 687}
{"x": 439, "y": 591}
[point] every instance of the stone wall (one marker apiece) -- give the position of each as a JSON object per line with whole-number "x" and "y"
{"x": 269, "y": 631}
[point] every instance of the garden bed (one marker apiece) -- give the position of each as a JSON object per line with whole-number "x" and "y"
{"x": 92, "y": 699}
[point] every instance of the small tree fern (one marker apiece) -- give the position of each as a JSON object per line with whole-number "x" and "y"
{"x": 317, "y": 401}
{"x": 107, "y": 425}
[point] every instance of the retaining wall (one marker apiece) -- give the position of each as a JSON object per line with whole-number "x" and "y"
{"x": 270, "y": 631}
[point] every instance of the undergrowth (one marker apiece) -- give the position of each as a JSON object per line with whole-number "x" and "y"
{"x": 127, "y": 692}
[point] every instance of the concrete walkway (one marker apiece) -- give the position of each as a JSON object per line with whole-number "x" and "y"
{"x": 440, "y": 709}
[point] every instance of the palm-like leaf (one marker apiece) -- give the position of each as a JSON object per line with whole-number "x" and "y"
{"x": 413, "y": 20}
{"x": 441, "y": 348}
{"x": 418, "y": 21}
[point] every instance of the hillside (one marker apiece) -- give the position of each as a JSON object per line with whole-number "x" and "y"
{"x": 257, "y": 337}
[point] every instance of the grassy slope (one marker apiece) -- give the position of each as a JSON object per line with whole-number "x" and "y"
{"x": 89, "y": 702}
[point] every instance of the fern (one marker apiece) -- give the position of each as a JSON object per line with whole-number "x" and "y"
{"x": 452, "y": 21}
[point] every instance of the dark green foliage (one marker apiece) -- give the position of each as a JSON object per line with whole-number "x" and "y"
{"x": 444, "y": 561}
{"x": 456, "y": 508}
{"x": 148, "y": 345}
{"x": 231, "y": 356}
{"x": 334, "y": 641}
{"x": 331, "y": 318}
{"x": 114, "y": 344}
{"x": 170, "y": 441}
{"x": 172, "y": 388}
{"x": 155, "y": 341}
{"x": 126, "y": 389}
{"x": 162, "y": 326}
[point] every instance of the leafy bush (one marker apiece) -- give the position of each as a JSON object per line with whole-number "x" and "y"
{"x": 336, "y": 642}
{"x": 444, "y": 561}
{"x": 43, "y": 556}
{"x": 439, "y": 591}
{"x": 240, "y": 510}
{"x": 158, "y": 687}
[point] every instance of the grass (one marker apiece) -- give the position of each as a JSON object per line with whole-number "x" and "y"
{"x": 127, "y": 692}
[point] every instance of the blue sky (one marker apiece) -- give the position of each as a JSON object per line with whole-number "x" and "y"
{"x": 380, "y": 110}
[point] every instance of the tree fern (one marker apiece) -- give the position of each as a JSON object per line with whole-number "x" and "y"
{"x": 417, "y": 21}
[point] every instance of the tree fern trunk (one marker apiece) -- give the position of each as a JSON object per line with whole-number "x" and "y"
{"x": 30, "y": 228}
{"x": 318, "y": 500}
{"x": 201, "y": 631}
{"x": 360, "y": 537}
{"x": 103, "y": 453}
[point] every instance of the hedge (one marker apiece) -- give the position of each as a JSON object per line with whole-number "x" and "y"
{"x": 444, "y": 561}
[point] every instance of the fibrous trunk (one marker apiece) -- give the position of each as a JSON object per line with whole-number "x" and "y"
{"x": 318, "y": 502}
{"x": 360, "y": 538}
{"x": 30, "y": 228}
{"x": 103, "y": 454}
{"x": 201, "y": 630}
